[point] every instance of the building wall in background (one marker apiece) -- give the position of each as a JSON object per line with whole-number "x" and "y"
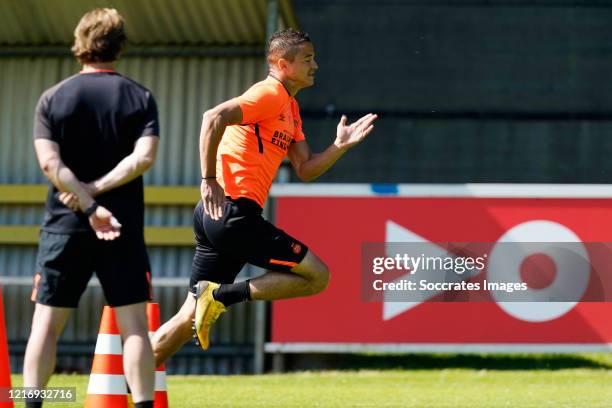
{"x": 472, "y": 150}
{"x": 470, "y": 91}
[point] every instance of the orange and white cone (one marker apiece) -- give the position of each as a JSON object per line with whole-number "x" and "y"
{"x": 107, "y": 385}
{"x": 161, "y": 394}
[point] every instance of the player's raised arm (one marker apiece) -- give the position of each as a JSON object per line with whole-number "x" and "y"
{"x": 214, "y": 123}
{"x": 308, "y": 166}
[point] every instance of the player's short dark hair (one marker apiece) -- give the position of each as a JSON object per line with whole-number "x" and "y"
{"x": 284, "y": 44}
{"x": 99, "y": 36}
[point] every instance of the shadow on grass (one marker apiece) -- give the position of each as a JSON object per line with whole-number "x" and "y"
{"x": 441, "y": 361}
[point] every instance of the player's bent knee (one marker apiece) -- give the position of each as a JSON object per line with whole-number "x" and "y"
{"x": 321, "y": 279}
{"x": 316, "y": 273}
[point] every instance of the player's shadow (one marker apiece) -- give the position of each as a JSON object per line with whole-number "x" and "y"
{"x": 450, "y": 361}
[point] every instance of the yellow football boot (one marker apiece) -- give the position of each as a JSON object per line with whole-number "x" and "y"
{"x": 207, "y": 311}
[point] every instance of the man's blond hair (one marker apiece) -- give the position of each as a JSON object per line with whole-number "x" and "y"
{"x": 99, "y": 36}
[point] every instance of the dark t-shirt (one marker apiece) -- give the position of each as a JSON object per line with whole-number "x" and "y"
{"x": 96, "y": 118}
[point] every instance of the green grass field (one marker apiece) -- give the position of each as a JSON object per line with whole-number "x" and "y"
{"x": 583, "y": 380}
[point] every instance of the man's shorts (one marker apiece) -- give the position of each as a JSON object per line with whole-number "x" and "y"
{"x": 241, "y": 236}
{"x": 66, "y": 262}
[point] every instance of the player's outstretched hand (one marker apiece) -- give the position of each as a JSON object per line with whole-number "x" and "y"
{"x": 104, "y": 224}
{"x": 213, "y": 197}
{"x": 348, "y": 136}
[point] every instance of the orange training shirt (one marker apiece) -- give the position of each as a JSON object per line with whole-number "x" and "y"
{"x": 246, "y": 164}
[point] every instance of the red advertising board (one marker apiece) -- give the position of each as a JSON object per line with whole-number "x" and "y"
{"x": 336, "y": 227}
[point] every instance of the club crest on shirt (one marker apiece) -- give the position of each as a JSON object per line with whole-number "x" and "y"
{"x": 297, "y": 248}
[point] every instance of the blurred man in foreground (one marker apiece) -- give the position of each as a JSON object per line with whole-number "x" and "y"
{"x": 95, "y": 134}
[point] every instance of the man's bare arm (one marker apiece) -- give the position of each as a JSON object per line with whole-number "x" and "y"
{"x": 214, "y": 123}
{"x": 308, "y": 166}
{"x": 49, "y": 159}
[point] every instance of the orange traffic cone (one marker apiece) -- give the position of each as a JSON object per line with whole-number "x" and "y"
{"x": 161, "y": 394}
{"x": 107, "y": 385}
{"x": 5, "y": 367}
